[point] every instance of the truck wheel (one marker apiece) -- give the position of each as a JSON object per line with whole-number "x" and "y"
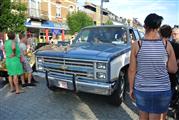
{"x": 176, "y": 112}
{"x": 33, "y": 68}
{"x": 118, "y": 95}
{"x": 49, "y": 85}
{"x": 52, "y": 88}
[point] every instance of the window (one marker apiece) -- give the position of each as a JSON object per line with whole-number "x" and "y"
{"x": 83, "y": 37}
{"x": 58, "y": 11}
{"x": 132, "y": 36}
{"x": 136, "y": 34}
{"x": 34, "y": 8}
{"x": 141, "y": 34}
{"x": 115, "y": 35}
{"x": 71, "y": 8}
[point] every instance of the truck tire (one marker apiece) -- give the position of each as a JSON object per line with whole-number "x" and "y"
{"x": 118, "y": 95}
{"x": 176, "y": 112}
{"x": 33, "y": 67}
{"x": 52, "y": 88}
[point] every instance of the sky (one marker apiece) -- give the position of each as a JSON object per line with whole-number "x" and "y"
{"x": 168, "y": 9}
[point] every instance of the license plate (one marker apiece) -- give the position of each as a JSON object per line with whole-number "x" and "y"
{"x": 62, "y": 84}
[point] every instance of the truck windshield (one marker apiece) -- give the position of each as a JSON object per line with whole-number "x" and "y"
{"x": 116, "y": 35}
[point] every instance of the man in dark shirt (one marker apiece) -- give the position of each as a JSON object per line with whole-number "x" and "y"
{"x": 173, "y": 77}
{"x": 175, "y": 42}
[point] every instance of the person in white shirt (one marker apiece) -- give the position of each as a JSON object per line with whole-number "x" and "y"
{"x": 24, "y": 59}
{"x": 54, "y": 40}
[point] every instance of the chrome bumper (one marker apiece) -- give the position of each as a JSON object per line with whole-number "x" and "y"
{"x": 38, "y": 75}
{"x": 80, "y": 85}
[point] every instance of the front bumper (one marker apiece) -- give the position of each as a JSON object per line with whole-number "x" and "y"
{"x": 77, "y": 84}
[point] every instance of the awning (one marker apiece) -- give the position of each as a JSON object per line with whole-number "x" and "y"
{"x": 49, "y": 24}
{"x": 46, "y": 24}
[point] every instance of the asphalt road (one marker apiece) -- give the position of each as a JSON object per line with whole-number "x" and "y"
{"x": 39, "y": 103}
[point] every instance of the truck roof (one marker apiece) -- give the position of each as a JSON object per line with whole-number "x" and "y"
{"x": 107, "y": 26}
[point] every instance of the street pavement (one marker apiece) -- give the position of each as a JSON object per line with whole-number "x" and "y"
{"x": 2, "y": 83}
{"x": 39, "y": 103}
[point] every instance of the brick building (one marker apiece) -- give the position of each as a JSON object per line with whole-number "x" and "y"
{"x": 94, "y": 12}
{"x": 48, "y": 17}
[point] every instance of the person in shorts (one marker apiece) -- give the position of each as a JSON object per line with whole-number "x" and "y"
{"x": 12, "y": 62}
{"x": 24, "y": 59}
{"x": 151, "y": 59}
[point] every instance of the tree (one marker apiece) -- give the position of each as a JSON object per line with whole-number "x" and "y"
{"x": 12, "y": 16}
{"x": 78, "y": 20}
{"x": 109, "y": 22}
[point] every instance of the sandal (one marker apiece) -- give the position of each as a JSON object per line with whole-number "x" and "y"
{"x": 12, "y": 91}
{"x": 19, "y": 92}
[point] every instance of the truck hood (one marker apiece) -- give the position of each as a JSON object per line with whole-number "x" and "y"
{"x": 88, "y": 51}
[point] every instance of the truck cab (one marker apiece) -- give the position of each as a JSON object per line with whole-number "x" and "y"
{"x": 96, "y": 62}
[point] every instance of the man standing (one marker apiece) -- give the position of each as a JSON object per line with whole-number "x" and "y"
{"x": 173, "y": 78}
{"x": 175, "y": 42}
{"x": 3, "y": 74}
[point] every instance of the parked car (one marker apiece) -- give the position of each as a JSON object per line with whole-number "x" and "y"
{"x": 96, "y": 62}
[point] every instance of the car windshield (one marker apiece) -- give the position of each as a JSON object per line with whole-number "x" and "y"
{"x": 116, "y": 35}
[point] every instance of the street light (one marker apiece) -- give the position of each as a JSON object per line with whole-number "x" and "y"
{"x": 101, "y": 10}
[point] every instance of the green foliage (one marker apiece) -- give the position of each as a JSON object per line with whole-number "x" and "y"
{"x": 109, "y": 22}
{"x": 12, "y": 16}
{"x": 78, "y": 20}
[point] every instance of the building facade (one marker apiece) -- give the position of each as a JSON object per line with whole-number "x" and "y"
{"x": 94, "y": 12}
{"x": 48, "y": 17}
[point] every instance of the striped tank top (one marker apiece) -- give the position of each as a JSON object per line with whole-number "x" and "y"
{"x": 152, "y": 74}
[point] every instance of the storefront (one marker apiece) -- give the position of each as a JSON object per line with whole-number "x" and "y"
{"x": 46, "y": 29}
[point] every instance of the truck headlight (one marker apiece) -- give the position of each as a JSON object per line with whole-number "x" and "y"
{"x": 101, "y": 75}
{"x": 40, "y": 67}
{"x": 101, "y": 65}
{"x": 39, "y": 59}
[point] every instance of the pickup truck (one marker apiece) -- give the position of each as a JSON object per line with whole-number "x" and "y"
{"x": 96, "y": 62}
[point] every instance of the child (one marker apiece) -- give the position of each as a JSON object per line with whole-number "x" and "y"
{"x": 26, "y": 66}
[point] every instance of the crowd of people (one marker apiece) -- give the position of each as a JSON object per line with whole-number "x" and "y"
{"x": 153, "y": 62}
{"x": 153, "y": 66}
{"x": 16, "y": 61}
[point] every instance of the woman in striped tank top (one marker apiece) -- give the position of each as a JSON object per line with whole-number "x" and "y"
{"x": 150, "y": 61}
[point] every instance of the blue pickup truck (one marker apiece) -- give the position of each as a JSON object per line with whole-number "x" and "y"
{"x": 96, "y": 62}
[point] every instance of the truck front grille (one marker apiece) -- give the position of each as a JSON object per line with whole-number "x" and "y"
{"x": 67, "y": 66}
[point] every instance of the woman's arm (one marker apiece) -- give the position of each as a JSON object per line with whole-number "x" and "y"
{"x": 172, "y": 63}
{"x": 25, "y": 52}
{"x": 132, "y": 68}
{"x": 13, "y": 49}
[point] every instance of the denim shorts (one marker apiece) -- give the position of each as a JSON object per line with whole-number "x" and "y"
{"x": 153, "y": 102}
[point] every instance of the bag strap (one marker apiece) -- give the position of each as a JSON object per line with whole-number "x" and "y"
{"x": 139, "y": 43}
{"x": 165, "y": 43}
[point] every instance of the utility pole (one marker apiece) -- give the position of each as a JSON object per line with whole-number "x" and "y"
{"x": 101, "y": 11}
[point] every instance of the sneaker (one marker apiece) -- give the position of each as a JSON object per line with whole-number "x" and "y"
{"x": 21, "y": 91}
{"x": 23, "y": 85}
{"x": 34, "y": 81}
{"x": 31, "y": 84}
